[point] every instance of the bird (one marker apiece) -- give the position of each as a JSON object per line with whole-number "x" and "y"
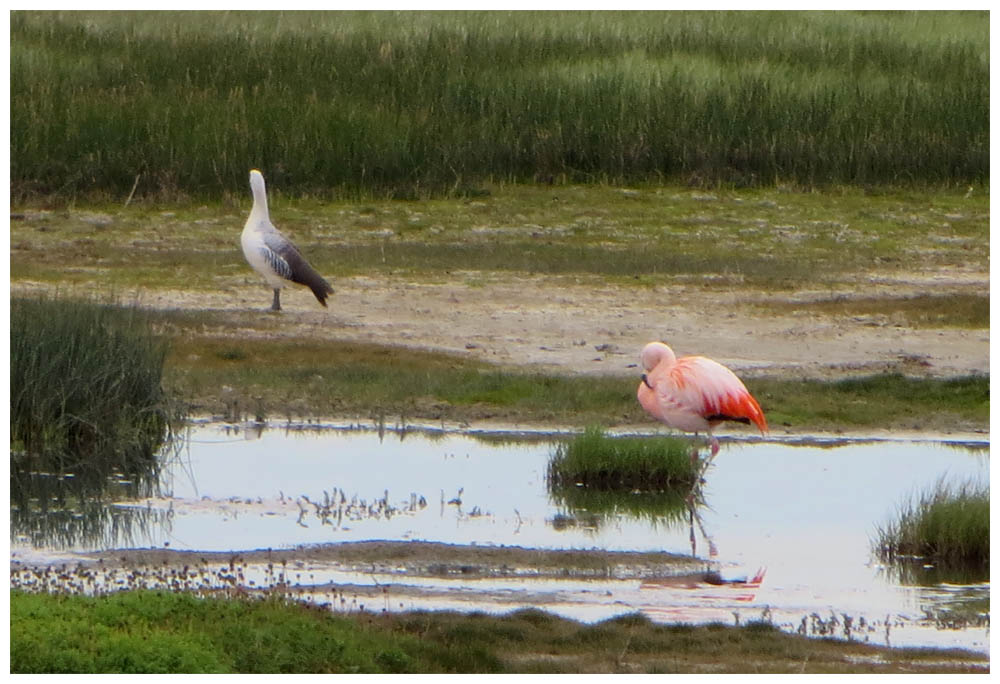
{"x": 272, "y": 254}
{"x": 694, "y": 393}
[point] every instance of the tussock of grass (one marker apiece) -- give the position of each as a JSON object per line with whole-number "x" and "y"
{"x": 88, "y": 418}
{"x": 597, "y": 461}
{"x": 947, "y": 526}
{"x": 87, "y": 396}
{"x": 131, "y": 632}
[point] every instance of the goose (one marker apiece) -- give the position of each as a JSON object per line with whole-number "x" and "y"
{"x": 272, "y": 254}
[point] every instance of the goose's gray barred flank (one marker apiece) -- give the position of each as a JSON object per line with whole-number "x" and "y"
{"x": 272, "y": 254}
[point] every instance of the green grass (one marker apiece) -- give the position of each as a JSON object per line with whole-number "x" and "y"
{"x": 947, "y": 526}
{"x": 146, "y": 632}
{"x": 594, "y": 474}
{"x": 413, "y": 104}
{"x": 598, "y": 461}
{"x": 876, "y": 401}
{"x": 652, "y": 237}
{"x": 281, "y": 379}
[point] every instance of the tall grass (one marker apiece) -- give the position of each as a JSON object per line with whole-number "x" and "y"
{"x": 87, "y": 404}
{"x": 947, "y": 526}
{"x": 418, "y": 102}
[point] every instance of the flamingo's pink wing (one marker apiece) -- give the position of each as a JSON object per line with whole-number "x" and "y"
{"x": 712, "y": 390}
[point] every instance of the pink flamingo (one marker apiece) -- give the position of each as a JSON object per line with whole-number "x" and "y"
{"x": 694, "y": 393}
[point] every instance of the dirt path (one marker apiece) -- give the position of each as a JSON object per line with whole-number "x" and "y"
{"x": 580, "y": 326}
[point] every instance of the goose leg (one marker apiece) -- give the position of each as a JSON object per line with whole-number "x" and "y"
{"x": 276, "y": 304}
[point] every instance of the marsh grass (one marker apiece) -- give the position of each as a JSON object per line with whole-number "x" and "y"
{"x": 947, "y": 526}
{"x": 88, "y": 408}
{"x": 311, "y": 378}
{"x": 177, "y": 633}
{"x": 882, "y": 400}
{"x": 417, "y": 103}
{"x": 597, "y": 461}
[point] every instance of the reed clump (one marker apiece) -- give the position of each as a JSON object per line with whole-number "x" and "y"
{"x": 597, "y": 461}
{"x": 87, "y": 403}
{"x": 947, "y": 526}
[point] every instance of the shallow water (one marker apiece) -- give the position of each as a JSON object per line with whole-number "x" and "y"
{"x": 804, "y": 513}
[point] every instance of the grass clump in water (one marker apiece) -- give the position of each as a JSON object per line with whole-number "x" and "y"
{"x": 947, "y": 526}
{"x": 86, "y": 396}
{"x": 597, "y": 461}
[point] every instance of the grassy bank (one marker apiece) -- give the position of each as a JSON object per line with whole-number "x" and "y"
{"x": 134, "y": 632}
{"x": 292, "y": 379}
{"x": 407, "y": 104}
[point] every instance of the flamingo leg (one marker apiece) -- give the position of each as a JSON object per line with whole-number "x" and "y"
{"x": 714, "y": 449}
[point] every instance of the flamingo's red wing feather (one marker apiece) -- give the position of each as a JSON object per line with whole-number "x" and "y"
{"x": 714, "y": 390}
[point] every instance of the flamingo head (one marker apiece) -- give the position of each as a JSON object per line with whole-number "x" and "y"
{"x": 655, "y": 353}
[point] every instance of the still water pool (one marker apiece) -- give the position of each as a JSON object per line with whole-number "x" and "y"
{"x": 804, "y": 514}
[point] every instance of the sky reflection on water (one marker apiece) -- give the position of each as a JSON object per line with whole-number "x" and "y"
{"x": 806, "y": 513}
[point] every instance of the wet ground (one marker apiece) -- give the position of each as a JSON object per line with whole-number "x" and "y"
{"x": 369, "y": 519}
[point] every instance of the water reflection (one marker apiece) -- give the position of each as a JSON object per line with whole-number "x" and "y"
{"x": 73, "y": 509}
{"x": 805, "y": 513}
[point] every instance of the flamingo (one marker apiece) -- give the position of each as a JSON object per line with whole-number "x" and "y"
{"x": 694, "y": 393}
{"x": 272, "y": 254}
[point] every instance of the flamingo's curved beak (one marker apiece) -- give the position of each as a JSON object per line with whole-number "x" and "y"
{"x": 645, "y": 381}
